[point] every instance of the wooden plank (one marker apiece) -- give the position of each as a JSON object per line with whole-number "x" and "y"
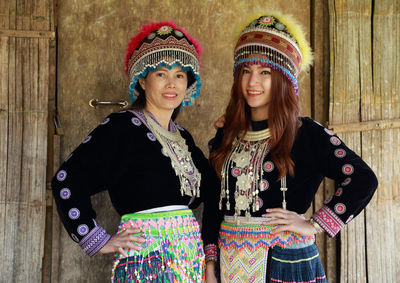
{"x": 384, "y": 103}
{"x": 347, "y": 22}
{"x": 366, "y": 126}
{"x": 5, "y": 265}
{"x": 27, "y": 33}
{"x": 4, "y": 14}
{"x": 320, "y": 112}
{"x": 23, "y": 207}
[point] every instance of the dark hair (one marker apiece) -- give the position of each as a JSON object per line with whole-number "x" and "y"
{"x": 283, "y": 122}
{"x": 140, "y": 101}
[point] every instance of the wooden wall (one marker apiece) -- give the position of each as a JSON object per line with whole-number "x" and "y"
{"x": 26, "y": 32}
{"x": 364, "y": 111}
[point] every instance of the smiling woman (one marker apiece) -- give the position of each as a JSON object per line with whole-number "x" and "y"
{"x": 271, "y": 162}
{"x": 151, "y": 167}
{"x": 164, "y": 90}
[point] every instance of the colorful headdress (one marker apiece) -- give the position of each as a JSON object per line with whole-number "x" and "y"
{"x": 281, "y": 41}
{"x": 163, "y": 44}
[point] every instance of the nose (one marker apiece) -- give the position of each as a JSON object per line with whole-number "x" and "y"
{"x": 171, "y": 82}
{"x": 254, "y": 79}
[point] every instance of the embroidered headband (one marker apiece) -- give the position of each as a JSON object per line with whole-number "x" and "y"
{"x": 281, "y": 42}
{"x": 163, "y": 44}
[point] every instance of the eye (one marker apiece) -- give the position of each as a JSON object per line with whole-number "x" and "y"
{"x": 246, "y": 71}
{"x": 265, "y": 72}
{"x": 181, "y": 75}
{"x": 160, "y": 74}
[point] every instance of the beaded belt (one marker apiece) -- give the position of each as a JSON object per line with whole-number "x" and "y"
{"x": 249, "y": 232}
{"x": 172, "y": 251}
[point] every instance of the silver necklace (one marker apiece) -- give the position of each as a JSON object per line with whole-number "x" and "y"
{"x": 174, "y": 146}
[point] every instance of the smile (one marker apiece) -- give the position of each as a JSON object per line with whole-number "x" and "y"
{"x": 170, "y": 95}
{"x": 254, "y": 92}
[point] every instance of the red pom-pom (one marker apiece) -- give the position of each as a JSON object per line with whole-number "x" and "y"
{"x": 146, "y": 30}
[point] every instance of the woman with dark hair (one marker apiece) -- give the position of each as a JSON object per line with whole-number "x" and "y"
{"x": 151, "y": 167}
{"x": 271, "y": 162}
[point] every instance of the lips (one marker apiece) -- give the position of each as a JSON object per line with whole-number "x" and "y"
{"x": 170, "y": 95}
{"x": 254, "y": 92}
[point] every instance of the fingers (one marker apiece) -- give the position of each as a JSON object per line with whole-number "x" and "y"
{"x": 122, "y": 252}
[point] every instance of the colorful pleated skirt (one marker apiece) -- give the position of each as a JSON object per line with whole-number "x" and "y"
{"x": 173, "y": 251}
{"x": 250, "y": 253}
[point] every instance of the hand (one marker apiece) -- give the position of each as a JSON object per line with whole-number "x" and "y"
{"x": 123, "y": 241}
{"x": 289, "y": 221}
{"x": 220, "y": 122}
{"x": 210, "y": 272}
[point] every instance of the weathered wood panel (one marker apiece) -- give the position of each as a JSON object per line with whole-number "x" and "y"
{"x": 347, "y": 18}
{"x": 320, "y": 112}
{"x": 365, "y": 85}
{"x": 383, "y": 103}
{"x": 92, "y": 39}
{"x": 24, "y": 76}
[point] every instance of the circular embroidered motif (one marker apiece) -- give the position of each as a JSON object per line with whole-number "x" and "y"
{"x": 340, "y": 208}
{"x": 83, "y": 229}
{"x": 61, "y": 175}
{"x": 346, "y": 182}
{"x": 339, "y": 192}
{"x": 268, "y": 166}
{"x": 88, "y": 138}
{"x": 349, "y": 219}
{"x": 74, "y": 213}
{"x": 279, "y": 26}
{"x": 74, "y": 237}
{"x": 136, "y": 121}
{"x": 340, "y": 153}
{"x": 178, "y": 33}
{"x": 65, "y": 193}
{"x": 328, "y": 200}
{"x": 151, "y": 35}
{"x": 347, "y": 169}
{"x": 329, "y": 132}
{"x": 164, "y": 30}
{"x": 266, "y": 21}
{"x": 106, "y": 120}
{"x": 335, "y": 141}
{"x": 151, "y": 136}
{"x": 264, "y": 185}
{"x": 236, "y": 172}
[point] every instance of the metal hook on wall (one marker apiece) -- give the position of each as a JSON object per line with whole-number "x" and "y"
{"x": 95, "y": 102}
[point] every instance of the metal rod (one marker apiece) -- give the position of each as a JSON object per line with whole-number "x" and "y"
{"x": 95, "y": 102}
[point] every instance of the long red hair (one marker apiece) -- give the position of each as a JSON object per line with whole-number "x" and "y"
{"x": 283, "y": 112}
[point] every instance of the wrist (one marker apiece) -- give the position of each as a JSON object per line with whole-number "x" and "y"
{"x": 316, "y": 226}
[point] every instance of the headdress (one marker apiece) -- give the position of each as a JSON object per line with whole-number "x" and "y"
{"x": 163, "y": 44}
{"x": 281, "y": 41}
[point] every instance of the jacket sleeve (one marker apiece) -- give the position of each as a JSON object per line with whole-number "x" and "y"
{"x": 88, "y": 170}
{"x": 355, "y": 182}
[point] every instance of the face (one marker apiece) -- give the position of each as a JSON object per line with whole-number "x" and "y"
{"x": 164, "y": 89}
{"x": 256, "y": 88}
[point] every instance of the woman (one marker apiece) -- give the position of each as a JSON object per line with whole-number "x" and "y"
{"x": 271, "y": 162}
{"x": 152, "y": 169}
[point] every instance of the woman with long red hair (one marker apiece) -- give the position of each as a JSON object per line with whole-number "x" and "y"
{"x": 271, "y": 162}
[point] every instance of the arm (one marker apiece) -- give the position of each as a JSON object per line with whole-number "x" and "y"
{"x": 355, "y": 182}
{"x": 88, "y": 170}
